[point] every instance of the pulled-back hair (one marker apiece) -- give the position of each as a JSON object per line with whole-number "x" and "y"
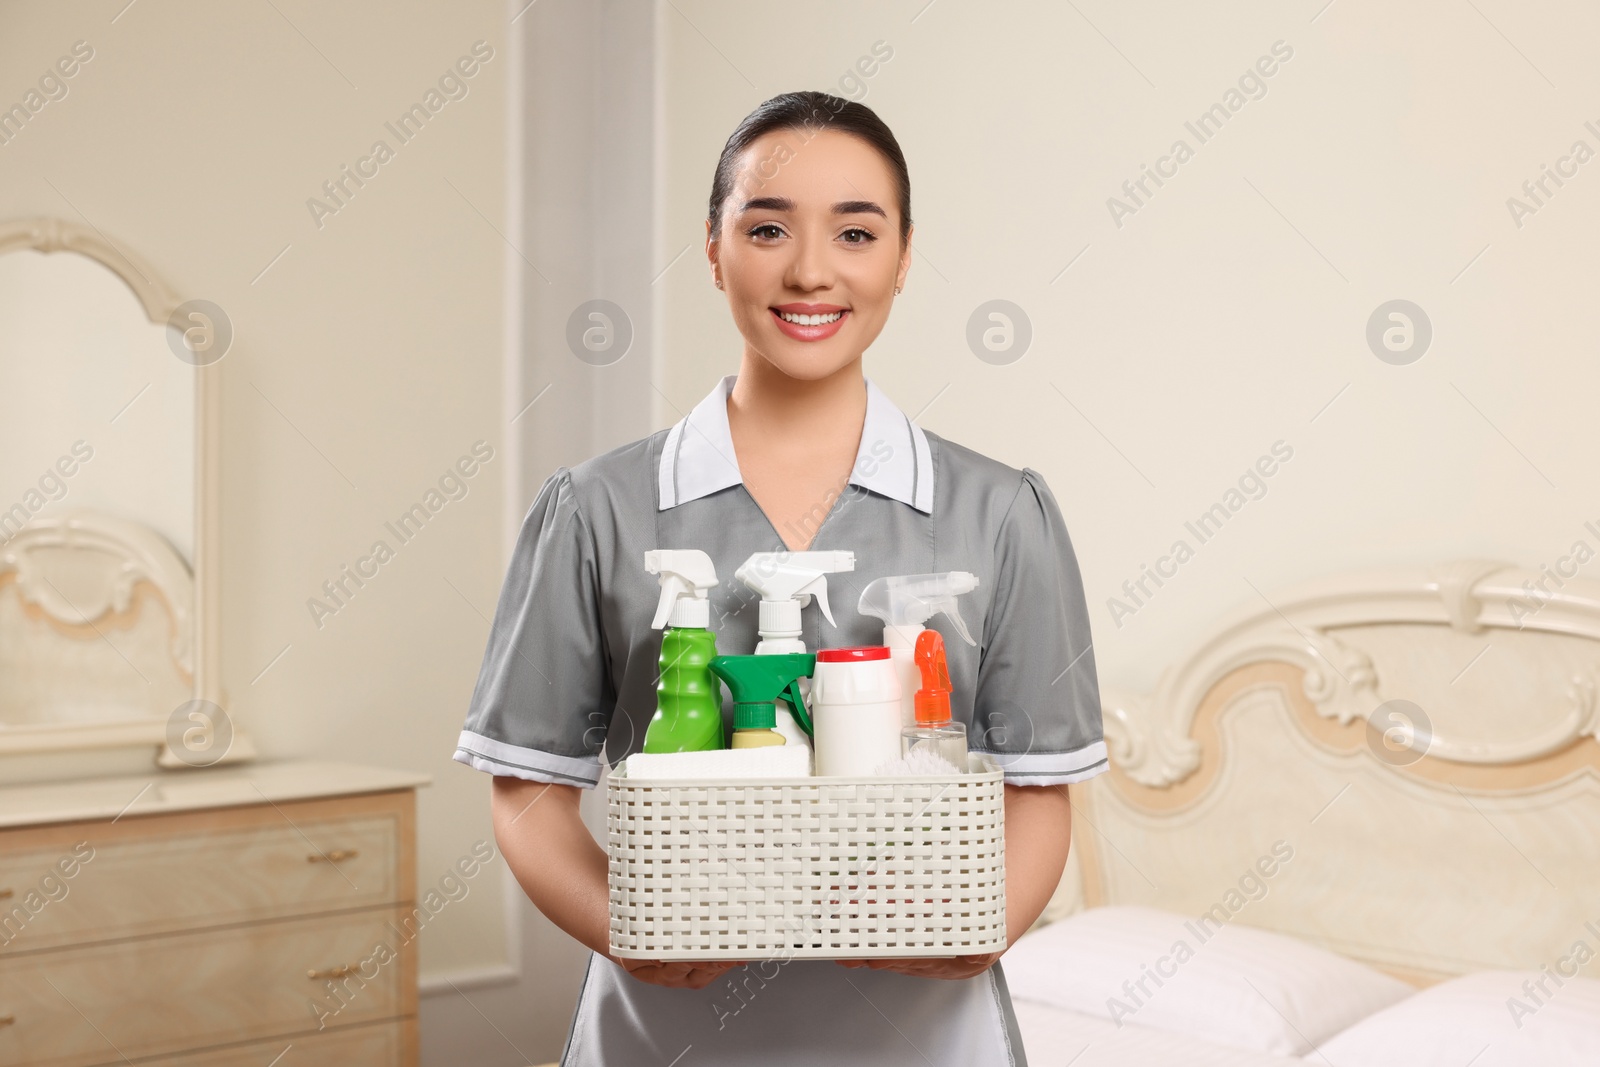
{"x": 812, "y": 112}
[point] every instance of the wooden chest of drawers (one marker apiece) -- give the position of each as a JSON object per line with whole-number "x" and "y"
{"x": 224, "y": 934}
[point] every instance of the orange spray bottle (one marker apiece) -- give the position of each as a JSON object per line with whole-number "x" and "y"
{"x": 934, "y": 730}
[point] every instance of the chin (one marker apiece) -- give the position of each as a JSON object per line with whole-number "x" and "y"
{"x": 808, "y": 366}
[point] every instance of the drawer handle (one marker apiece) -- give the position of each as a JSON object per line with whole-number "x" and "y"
{"x": 333, "y": 857}
{"x": 341, "y": 971}
{"x": 6, "y": 894}
{"x": 7, "y": 1020}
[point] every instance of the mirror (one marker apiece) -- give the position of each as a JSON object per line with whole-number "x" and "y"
{"x": 107, "y": 507}
{"x": 97, "y": 413}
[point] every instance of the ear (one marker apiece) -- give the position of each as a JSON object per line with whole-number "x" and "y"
{"x": 905, "y": 259}
{"x": 712, "y": 257}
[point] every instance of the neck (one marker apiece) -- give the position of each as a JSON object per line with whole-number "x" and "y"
{"x": 798, "y": 409}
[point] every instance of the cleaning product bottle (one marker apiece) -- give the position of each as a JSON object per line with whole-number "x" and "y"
{"x": 905, "y": 602}
{"x": 688, "y": 714}
{"x": 855, "y": 711}
{"x": 934, "y": 729}
{"x": 756, "y": 683}
{"x": 787, "y": 581}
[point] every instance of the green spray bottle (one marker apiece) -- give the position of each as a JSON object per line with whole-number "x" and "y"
{"x": 756, "y": 683}
{"x": 688, "y": 714}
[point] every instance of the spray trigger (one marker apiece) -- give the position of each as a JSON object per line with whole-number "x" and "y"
{"x": 961, "y": 627}
{"x": 797, "y": 705}
{"x": 819, "y": 589}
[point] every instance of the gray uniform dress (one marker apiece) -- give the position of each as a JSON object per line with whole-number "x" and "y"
{"x": 571, "y": 669}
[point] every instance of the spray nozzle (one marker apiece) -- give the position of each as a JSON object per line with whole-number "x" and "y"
{"x": 906, "y": 601}
{"x": 932, "y": 703}
{"x": 686, "y": 575}
{"x": 786, "y": 582}
{"x": 757, "y": 681}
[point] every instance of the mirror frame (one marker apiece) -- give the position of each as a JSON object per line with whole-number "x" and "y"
{"x": 159, "y": 300}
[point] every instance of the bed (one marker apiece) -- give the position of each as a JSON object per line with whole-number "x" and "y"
{"x": 1056, "y": 1037}
{"x": 1378, "y": 797}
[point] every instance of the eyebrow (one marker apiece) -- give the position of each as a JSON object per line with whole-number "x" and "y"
{"x": 783, "y": 203}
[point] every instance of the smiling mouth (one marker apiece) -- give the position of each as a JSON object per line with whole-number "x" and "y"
{"x": 809, "y": 320}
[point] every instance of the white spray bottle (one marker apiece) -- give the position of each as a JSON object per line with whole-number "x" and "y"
{"x": 905, "y": 602}
{"x": 787, "y": 581}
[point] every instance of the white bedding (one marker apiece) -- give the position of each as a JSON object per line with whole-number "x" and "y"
{"x": 1251, "y": 998}
{"x": 1488, "y": 1019}
{"x": 1230, "y": 986}
{"x": 1469, "y": 1019}
{"x": 1056, "y": 1037}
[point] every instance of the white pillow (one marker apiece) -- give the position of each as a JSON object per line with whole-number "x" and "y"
{"x": 1490, "y": 1015}
{"x": 1231, "y": 984}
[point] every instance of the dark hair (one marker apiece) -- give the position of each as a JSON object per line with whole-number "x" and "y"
{"x": 815, "y": 111}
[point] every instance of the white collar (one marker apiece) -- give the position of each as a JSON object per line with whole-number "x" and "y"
{"x": 892, "y": 460}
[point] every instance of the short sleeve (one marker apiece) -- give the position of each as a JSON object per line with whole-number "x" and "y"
{"x": 544, "y": 698}
{"x": 1037, "y": 708}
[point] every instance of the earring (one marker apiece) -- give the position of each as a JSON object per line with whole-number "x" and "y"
{"x": 719, "y": 283}
{"x": 897, "y": 290}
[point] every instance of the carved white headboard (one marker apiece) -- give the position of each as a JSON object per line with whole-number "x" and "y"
{"x": 1401, "y": 766}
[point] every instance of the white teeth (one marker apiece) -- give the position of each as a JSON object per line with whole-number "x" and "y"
{"x": 810, "y": 320}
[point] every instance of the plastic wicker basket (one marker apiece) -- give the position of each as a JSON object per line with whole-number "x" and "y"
{"x": 815, "y": 868}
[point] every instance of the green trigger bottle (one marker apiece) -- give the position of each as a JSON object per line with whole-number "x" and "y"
{"x": 688, "y": 714}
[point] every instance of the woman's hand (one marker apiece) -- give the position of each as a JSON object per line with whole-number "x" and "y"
{"x": 930, "y": 966}
{"x": 676, "y": 974}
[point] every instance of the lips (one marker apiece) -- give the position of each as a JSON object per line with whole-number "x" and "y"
{"x": 817, "y": 326}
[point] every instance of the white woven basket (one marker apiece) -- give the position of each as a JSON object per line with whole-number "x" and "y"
{"x": 811, "y": 868}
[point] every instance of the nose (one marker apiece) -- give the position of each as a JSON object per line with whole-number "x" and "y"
{"x": 809, "y": 268}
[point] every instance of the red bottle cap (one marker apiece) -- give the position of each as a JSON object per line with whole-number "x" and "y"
{"x": 853, "y": 655}
{"x": 932, "y": 702}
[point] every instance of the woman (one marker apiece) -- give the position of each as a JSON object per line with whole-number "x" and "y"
{"x": 809, "y": 235}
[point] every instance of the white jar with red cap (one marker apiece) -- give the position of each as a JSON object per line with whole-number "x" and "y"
{"x": 855, "y": 711}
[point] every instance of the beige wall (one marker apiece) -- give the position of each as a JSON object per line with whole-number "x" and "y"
{"x": 367, "y": 358}
{"x": 1226, "y": 313}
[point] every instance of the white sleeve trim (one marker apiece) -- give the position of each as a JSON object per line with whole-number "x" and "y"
{"x": 1050, "y": 768}
{"x": 497, "y": 757}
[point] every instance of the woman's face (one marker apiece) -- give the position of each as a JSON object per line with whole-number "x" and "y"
{"x": 812, "y": 227}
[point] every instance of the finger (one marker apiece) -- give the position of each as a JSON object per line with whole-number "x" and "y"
{"x": 914, "y": 970}
{"x": 681, "y": 981}
{"x": 939, "y": 969}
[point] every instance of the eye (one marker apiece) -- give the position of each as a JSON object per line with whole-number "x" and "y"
{"x": 756, "y": 231}
{"x": 867, "y": 236}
